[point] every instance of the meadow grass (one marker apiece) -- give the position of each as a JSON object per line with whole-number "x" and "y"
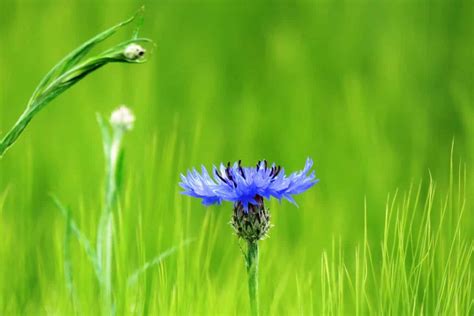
{"x": 422, "y": 266}
{"x": 375, "y": 94}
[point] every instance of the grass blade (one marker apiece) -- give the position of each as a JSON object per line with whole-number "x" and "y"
{"x": 70, "y": 70}
{"x": 133, "y": 278}
{"x": 72, "y": 226}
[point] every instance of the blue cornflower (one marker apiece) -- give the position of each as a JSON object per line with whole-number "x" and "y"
{"x": 247, "y": 185}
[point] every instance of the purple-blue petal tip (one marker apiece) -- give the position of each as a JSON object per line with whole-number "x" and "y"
{"x": 238, "y": 184}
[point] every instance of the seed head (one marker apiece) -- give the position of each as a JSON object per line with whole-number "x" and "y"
{"x": 122, "y": 118}
{"x": 134, "y": 52}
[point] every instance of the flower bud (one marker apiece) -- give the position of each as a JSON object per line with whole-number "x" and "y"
{"x": 134, "y": 52}
{"x": 252, "y": 224}
{"x": 122, "y": 118}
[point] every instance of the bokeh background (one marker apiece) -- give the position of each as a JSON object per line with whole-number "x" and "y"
{"x": 374, "y": 91}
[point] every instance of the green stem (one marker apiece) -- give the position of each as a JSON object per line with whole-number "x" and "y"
{"x": 107, "y": 277}
{"x": 252, "y": 271}
{"x": 106, "y": 227}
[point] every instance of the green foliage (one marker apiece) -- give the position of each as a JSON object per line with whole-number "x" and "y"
{"x": 101, "y": 257}
{"x": 374, "y": 92}
{"x": 68, "y": 72}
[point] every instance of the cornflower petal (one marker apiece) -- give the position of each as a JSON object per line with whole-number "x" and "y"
{"x": 247, "y": 185}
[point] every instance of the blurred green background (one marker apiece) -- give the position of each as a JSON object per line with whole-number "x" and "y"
{"x": 375, "y": 92}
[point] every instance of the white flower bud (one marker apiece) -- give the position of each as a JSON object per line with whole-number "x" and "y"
{"x": 122, "y": 118}
{"x": 134, "y": 51}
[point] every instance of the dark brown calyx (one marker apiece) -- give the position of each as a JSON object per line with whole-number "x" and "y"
{"x": 253, "y": 224}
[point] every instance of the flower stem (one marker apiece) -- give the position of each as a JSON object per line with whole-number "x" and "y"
{"x": 252, "y": 271}
{"x": 106, "y": 226}
{"x": 108, "y": 308}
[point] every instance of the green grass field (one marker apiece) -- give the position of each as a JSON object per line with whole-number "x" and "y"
{"x": 379, "y": 94}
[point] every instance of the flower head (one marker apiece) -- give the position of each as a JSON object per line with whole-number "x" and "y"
{"x": 247, "y": 186}
{"x": 134, "y": 51}
{"x": 122, "y": 118}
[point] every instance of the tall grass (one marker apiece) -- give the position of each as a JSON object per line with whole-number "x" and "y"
{"x": 422, "y": 266}
{"x": 101, "y": 255}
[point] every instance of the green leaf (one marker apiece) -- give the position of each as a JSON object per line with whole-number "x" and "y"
{"x": 106, "y": 135}
{"x": 70, "y": 70}
{"x": 133, "y": 278}
{"x": 81, "y": 238}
